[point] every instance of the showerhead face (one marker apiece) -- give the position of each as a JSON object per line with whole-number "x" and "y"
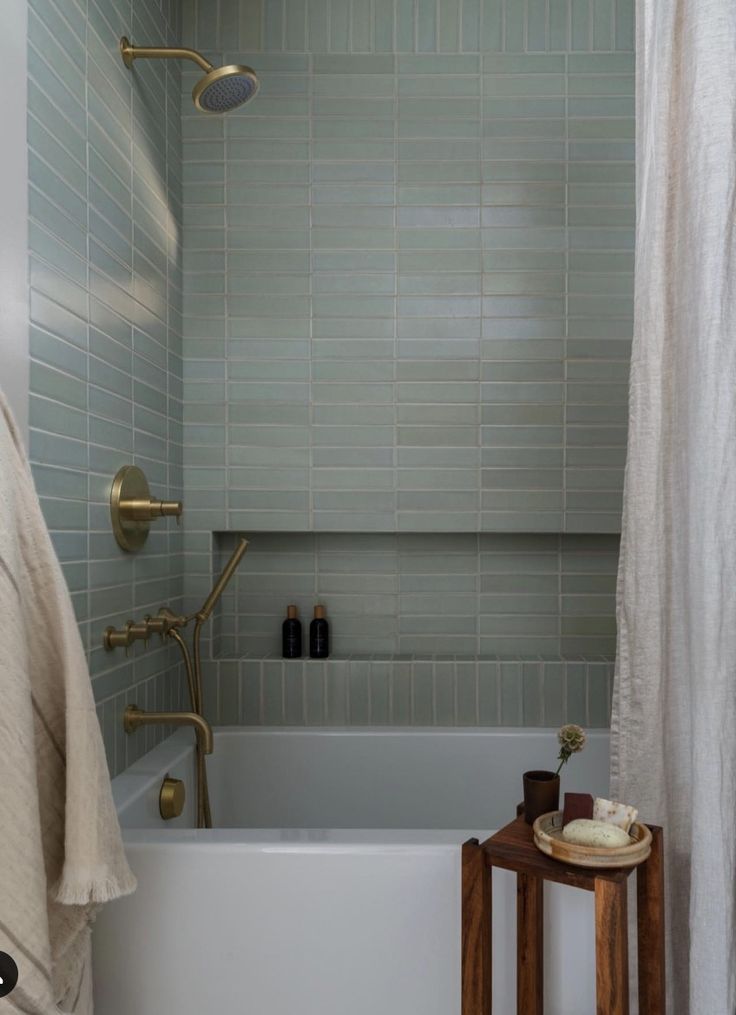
{"x": 225, "y": 88}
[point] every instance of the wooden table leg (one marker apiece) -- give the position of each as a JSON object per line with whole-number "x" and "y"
{"x": 476, "y": 931}
{"x": 650, "y": 928}
{"x": 611, "y": 948}
{"x": 529, "y": 945}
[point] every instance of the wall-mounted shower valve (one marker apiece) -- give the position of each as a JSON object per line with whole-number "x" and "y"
{"x": 132, "y": 509}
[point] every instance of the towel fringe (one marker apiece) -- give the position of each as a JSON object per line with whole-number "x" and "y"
{"x": 95, "y": 890}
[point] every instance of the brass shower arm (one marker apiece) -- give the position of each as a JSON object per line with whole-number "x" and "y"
{"x": 130, "y": 53}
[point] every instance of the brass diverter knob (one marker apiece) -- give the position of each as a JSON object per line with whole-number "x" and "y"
{"x": 132, "y": 508}
{"x": 171, "y": 798}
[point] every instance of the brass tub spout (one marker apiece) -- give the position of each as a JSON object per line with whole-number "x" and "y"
{"x": 135, "y": 717}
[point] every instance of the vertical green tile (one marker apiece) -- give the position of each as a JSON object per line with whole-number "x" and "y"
{"x": 471, "y": 41}
{"x": 380, "y": 701}
{"x": 492, "y": 26}
{"x": 449, "y": 26}
{"x": 603, "y": 24}
{"x": 336, "y": 701}
{"x": 625, "y": 25}
{"x": 598, "y": 695}
{"x": 404, "y": 26}
{"x": 272, "y": 691}
{"x": 339, "y": 26}
{"x": 514, "y": 27}
{"x": 250, "y": 25}
{"x": 360, "y": 27}
{"x": 532, "y": 694}
{"x": 444, "y": 694}
{"x": 401, "y": 694}
{"x": 558, "y": 24}
{"x": 576, "y": 694}
{"x": 293, "y": 693}
{"x": 511, "y": 695}
{"x": 383, "y": 26}
{"x": 554, "y": 693}
{"x": 317, "y": 26}
{"x": 580, "y": 24}
{"x": 314, "y": 692}
{"x": 465, "y": 693}
{"x": 250, "y": 693}
{"x": 426, "y": 19}
{"x": 273, "y": 29}
{"x": 228, "y": 23}
{"x": 488, "y": 694}
{"x": 296, "y": 24}
{"x": 423, "y": 714}
{"x": 229, "y": 693}
{"x": 359, "y": 693}
{"x": 537, "y": 25}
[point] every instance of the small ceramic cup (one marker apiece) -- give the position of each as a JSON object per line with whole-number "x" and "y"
{"x": 541, "y": 794}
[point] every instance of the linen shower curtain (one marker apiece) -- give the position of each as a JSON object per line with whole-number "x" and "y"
{"x": 674, "y": 714}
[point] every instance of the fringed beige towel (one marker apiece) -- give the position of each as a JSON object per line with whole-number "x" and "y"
{"x": 61, "y": 852}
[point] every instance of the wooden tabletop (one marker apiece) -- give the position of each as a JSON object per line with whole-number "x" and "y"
{"x": 513, "y": 849}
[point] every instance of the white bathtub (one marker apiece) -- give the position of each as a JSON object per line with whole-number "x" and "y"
{"x": 332, "y": 881}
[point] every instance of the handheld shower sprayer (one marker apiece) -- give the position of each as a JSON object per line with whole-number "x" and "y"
{"x": 205, "y": 612}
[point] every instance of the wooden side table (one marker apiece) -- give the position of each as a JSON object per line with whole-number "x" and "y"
{"x": 513, "y": 849}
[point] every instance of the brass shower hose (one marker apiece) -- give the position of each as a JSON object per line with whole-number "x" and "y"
{"x": 193, "y": 667}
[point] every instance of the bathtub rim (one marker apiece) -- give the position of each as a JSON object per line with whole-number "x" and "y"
{"x": 143, "y": 775}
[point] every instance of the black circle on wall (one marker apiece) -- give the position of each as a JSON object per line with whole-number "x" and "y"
{"x": 8, "y": 974}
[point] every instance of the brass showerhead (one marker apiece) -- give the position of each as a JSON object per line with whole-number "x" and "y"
{"x": 220, "y": 90}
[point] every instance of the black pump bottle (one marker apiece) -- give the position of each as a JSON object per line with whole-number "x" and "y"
{"x": 319, "y": 635}
{"x": 291, "y": 635}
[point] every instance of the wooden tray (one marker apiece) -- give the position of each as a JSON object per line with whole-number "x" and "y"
{"x": 548, "y": 838}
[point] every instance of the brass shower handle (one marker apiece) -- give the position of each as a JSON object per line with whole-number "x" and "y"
{"x": 123, "y": 637}
{"x": 142, "y": 509}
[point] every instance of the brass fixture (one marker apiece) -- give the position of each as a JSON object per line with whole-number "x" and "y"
{"x": 124, "y": 637}
{"x": 171, "y": 798}
{"x": 220, "y": 90}
{"x": 134, "y": 717}
{"x": 168, "y": 624}
{"x": 205, "y": 611}
{"x": 132, "y": 508}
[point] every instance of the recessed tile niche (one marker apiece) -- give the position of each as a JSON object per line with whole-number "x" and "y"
{"x": 462, "y": 594}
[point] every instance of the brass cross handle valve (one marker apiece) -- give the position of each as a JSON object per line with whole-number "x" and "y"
{"x": 125, "y": 636}
{"x": 164, "y": 622}
{"x": 132, "y": 509}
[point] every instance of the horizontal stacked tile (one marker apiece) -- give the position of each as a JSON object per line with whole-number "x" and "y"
{"x": 409, "y": 292}
{"x": 105, "y": 305}
{"x": 600, "y": 286}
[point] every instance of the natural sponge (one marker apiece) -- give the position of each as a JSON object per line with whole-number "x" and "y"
{"x": 584, "y": 832}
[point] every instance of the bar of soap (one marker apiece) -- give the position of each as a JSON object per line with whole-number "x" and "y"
{"x": 577, "y": 805}
{"x": 614, "y": 813}
{"x": 584, "y": 832}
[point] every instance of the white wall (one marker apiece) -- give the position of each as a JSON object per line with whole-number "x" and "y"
{"x": 14, "y": 211}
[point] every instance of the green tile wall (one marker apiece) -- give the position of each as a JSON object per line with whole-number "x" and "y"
{"x": 408, "y": 296}
{"x": 408, "y": 278}
{"x": 105, "y": 307}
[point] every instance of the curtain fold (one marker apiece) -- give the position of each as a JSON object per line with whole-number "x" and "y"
{"x": 674, "y": 708}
